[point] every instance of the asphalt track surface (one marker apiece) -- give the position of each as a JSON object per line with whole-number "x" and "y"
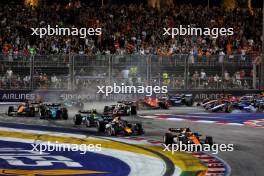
{"x": 247, "y": 159}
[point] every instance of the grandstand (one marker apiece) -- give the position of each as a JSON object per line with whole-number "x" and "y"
{"x": 131, "y": 38}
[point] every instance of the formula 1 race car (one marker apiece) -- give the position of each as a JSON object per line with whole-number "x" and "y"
{"x": 185, "y": 136}
{"x": 224, "y": 104}
{"x": 245, "y": 103}
{"x": 153, "y": 103}
{"x": 220, "y": 106}
{"x": 181, "y": 99}
{"x": 54, "y": 111}
{"x": 89, "y": 118}
{"x": 250, "y": 104}
{"x": 206, "y": 104}
{"x": 231, "y": 104}
{"x": 24, "y": 109}
{"x": 123, "y": 128}
{"x": 121, "y": 108}
{"x": 73, "y": 104}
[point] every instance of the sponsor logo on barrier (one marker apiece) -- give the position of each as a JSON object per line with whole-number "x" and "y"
{"x": 17, "y": 96}
{"x": 106, "y": 93}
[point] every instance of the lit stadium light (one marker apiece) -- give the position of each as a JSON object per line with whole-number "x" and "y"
{"x": 32, "y": 3}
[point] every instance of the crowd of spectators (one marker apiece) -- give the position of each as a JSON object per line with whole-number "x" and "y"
{"x": 128, "y": 29}
{"x": 11, "y": 80}
{"x": 238, "y": 79}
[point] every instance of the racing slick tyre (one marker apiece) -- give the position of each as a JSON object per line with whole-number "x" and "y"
{"x": 106, "y": 109}
{"x": 10, "y": 110}
{"x": 42, "y": 112}
{"x": 101, "y": 127}
{"x": 110, "y": 131}
{"x": 138, "y": 129}
{"x": 188, "y": 101}
{"x": 78, "y": 119}
{"x": 133, "y": 110}
{"x": 47, "y": 114}
{"x": 31, "y": 112}
{"x": 163, "y": 105}
{"x": 87, "y": 123}
{"x": 227, "y": 109}
{"x": 209, "y": 140}
{"x": 64, "y": 114}
{"x": 168, "y": 139}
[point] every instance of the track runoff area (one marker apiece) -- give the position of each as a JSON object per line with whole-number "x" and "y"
{"x": 30, "y": 146}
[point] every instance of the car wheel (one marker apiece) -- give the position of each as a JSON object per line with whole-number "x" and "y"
{"x": 133, "y": 110}
{"x": 101, "y": 127}
{"x": 64, "y": 114}
{"x": 48, "y": 114}
{"x": 87, "y": 123}
{"x": 10, "y": 110}
{"x": 138, "y": 129}
{"x": 31, "y": 112}
{"x": 77, "y": 119}
{"x": 209, "y": 140}
{"x": 168, "y": 139}
{"x": 110, "y": 131}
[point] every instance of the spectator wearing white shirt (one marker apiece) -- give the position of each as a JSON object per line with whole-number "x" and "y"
{"x": 221, "y": 56}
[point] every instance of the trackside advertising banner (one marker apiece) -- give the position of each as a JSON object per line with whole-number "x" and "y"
{"x": 21, "y": 95}
{"x": 16, "y": 96}
{"x": 214, "y": 94}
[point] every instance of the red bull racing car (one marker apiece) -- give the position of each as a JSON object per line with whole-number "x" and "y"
{"x": 122, "y": 108}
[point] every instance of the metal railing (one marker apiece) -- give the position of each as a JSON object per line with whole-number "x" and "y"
{"x": 72, "y": 71}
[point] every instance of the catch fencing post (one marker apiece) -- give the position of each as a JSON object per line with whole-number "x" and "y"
{"x": 31, "y": 72}
{"x": 262, "y": 60}
{"x": 254, "y": 75}
{"x": 71, "y": 70}
{"x": 109, "y": 69}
